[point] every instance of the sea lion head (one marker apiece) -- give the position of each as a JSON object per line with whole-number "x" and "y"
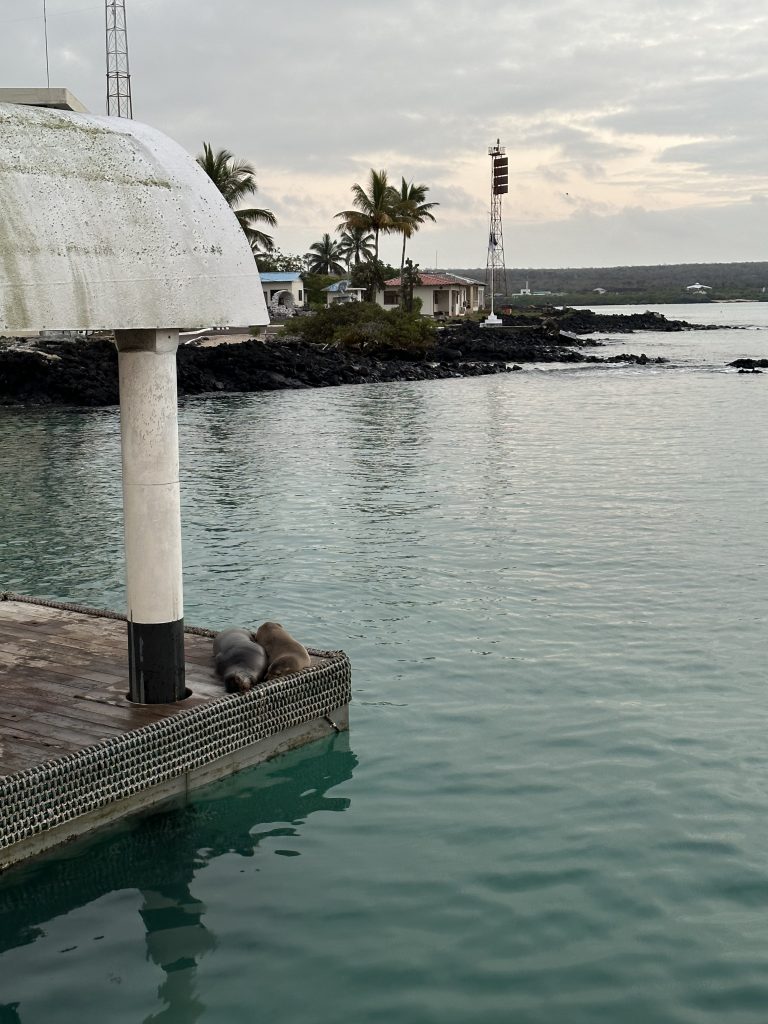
{"x": 238, "y": 682}
{"x": 265, "y": 631}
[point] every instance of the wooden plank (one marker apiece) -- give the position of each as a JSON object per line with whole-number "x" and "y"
{"x": 100, "y": 650}
{"x": 53, "y": 619}
{"x": 98, "y": 708}
{"x": 14, "y": 736}
{"x": 36, "y": 701}
{"x": 47, "y": 688}
{"x": 88, "y": 684}
{"x": 50, "y": 729}
{"x": 22, "y": 640}
{"x": 18, "y": 669}
{"x": 77, "y": 656}
{"x": 65, "y": 643}
{"x": 26, "y": 754}
{"x": 64, "y": 683}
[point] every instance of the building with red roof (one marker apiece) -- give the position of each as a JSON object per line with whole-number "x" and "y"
{"x": 441, "y": 294}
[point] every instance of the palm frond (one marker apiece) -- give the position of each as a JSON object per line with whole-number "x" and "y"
{"x": 236, "y": 179}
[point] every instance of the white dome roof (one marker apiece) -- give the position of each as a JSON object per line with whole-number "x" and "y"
{"x": 106, "y": 223}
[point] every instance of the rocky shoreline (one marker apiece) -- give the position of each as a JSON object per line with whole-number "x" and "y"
{"x": 84, "y": 372}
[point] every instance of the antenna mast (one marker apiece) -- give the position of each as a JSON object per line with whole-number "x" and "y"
{"x": 119, "y": 103}
{"x": 496, "y": 271}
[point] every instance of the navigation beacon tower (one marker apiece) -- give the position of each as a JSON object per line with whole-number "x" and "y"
{"x": 496, "y": 271}
{"x": 119, "y": 103}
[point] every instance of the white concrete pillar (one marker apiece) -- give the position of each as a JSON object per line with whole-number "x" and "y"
{"x": 152, "y": 512}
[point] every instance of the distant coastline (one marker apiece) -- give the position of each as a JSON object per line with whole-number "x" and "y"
{"x": 641, "y": 285}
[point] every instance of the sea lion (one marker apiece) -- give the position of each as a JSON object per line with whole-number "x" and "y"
{"x": 284, "y": 654}
{"x": 240, "y": 660}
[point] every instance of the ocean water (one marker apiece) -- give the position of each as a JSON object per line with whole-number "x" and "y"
{"x": 553, "y": 801}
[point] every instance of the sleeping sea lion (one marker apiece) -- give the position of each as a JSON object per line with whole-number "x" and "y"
{"x": 240, "y": 660}
{"x": 284, "y": 654}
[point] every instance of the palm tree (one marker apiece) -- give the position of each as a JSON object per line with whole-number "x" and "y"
{"x": 411, "y": 212}
{"x": 236, "y": 179}
{"x": 355, "y": 244}
{"x": 374, "y": 210}
{"x": 323, "y": 257}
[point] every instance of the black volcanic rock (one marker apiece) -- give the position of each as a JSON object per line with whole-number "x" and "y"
{"x": 84, "y": 372}
{"x": 507, "y": 343}
{"x": 586, "y": 321}
{"x": 62, "y": 373}
{"x": 749, "y": 364}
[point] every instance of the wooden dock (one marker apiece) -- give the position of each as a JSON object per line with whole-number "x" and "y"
{"x": 75, "y": 753}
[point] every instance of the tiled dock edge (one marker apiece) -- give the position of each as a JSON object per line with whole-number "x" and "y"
{"x": 58, "y": 791}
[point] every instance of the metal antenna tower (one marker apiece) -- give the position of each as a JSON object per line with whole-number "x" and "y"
{"x": 496, "y": 271}
{"x": 119, "y": 103}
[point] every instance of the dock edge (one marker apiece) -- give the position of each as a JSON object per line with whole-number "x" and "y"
{"x": 55, "y": 801}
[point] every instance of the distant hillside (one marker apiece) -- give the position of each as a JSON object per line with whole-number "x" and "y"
{"x": 719, "y": 276}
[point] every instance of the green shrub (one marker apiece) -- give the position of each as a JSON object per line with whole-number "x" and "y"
{"x": 369, "y": 327}
{"x": 313, "y": 287}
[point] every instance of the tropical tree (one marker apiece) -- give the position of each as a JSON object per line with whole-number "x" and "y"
{"x": 236, "y": 180}
{"x": 355, "y": 244}
{"x": 323, "y": 257}
{"x": 371, "y": 276}
{"x": 411, "y": 211}
{"x": 276, "y": 261}
{"x": 374, "y": 209}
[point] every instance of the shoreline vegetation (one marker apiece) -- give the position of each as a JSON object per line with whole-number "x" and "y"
{"x": 352, "y": 344}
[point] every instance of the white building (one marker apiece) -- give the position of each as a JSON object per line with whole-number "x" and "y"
{"x": 282, "y": 291}
{"x": 475, "y": 291}
{"x": 698, "y": 289}
{"x": 341, "y": 291}
{"x": 440, "y": 294}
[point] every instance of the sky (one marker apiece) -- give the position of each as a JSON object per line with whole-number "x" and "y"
{"x": 635, "y": 131}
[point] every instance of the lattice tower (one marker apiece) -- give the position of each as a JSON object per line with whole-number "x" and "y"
{"x": 119, "y": 103}
{"x": 496, "y": 271}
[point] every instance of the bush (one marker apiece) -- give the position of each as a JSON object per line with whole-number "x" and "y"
{"x": 366, "y": 326}
{"x": 313, "y": 287}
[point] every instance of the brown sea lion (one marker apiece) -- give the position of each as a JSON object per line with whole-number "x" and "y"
{"x": 240, "y": 660}
{"x": 284, "y": 654}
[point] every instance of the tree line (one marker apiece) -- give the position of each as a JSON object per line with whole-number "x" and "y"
{"x": 718, "y": 276}
{"x": 378, "y": 208}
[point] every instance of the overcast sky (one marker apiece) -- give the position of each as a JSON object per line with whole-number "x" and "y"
{"x": 636, "y": 131}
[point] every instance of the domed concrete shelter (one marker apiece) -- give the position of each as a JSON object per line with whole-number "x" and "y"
{"x": 105, "y": 223}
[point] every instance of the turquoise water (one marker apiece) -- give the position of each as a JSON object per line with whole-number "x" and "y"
{"x": 553, "y": 802}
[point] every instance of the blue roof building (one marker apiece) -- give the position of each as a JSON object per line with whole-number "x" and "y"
{"x": 283, "y": 290}
{"x": 341, "y": 291}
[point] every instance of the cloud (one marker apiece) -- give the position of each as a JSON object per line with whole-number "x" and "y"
{"x": 649, "y": 106}
{"x": 705, "y": 106}
{"x": 697, "y": 234}
{"x": 576, "y": 144}
{"x": 744, "y": 155}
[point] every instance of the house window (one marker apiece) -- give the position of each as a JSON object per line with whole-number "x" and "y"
{"x": 301, "y": 295}
{"x": 435, "y": 298}
{"x": 391, "y": 298}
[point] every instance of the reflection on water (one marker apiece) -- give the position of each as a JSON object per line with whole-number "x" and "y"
{"x": 162, "y": 855}
{"x": 60, "y": 473}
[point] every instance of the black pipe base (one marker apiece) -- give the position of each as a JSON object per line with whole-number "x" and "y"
{"x": 156, "y": 662}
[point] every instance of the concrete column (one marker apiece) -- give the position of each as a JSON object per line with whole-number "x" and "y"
{"x": 150, "y": 446}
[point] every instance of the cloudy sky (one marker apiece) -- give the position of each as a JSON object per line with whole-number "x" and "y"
{"x": 636, "y": 131}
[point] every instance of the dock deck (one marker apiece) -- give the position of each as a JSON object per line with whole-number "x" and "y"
{"x": 76, "y": 753}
